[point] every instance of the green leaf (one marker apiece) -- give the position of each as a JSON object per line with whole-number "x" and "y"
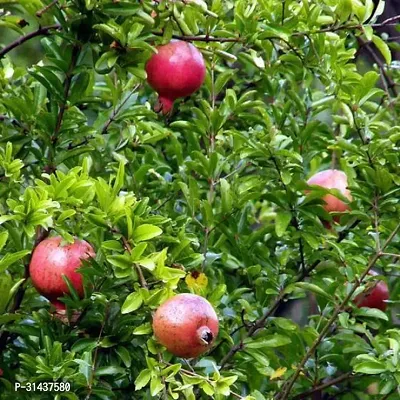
{"x": 370, "y": 368}
{"x": 371, "y": 312}
{"x": 146, "y": 232}
{"x": 86, "y": 344}
{"x": 109, "y": 370}
{"x": 10, "y": 259}
{"x": 156, "y": 386}
{"x": 284, "y": 323}
{"x": 5, "y": 287}
{"x": 121, "y": 8}
{"x": 132, "y": 303}
{"x": 122, "y": 261}
{"x": 383, "y": 48}
{"x": 282, "y": 221}
{"x": 313, "y": 288}
{"x": 144, "y": 329}
{"x": 226, "y": 196}
{"x": 124, "y": 355}
{"x": 3, "y": 239}
{"x": 143, "y": 379}
{"x": 267, "y": 341}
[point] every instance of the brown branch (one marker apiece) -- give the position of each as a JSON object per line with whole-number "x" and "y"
{"x": 67, "y": 85}
{"x": 387, "y": 21}
{"x": 93, "y": 369}
{"x": 257, "y": 325}
{"x": 46, "y": 8}
{"x": 128, "y": 248}
{"x": 39, "y": 32}
{"x": 339, "y": 379}
{"x": 282, "y": 297}
{"x": 204, "y": 38}
{"x": 386, "y": 79}
{"x": 289, "y": 384}
{"x": 116, "y": 111}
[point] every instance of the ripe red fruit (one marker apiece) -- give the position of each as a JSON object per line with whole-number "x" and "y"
{"x": 50, "y": 261}
{"x": 374, "y": 297}
{"x": 177, "y": 70}
{"x": 186, "y": 325}
{"x": 332, "y": 179}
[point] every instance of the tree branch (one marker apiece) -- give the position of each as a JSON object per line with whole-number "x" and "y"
{"x": 46, "y": 8}
{"x": 67, "y": 85}
{"x": 116, "y": 111}
{"x": 289, "y": 384}
{"x": 39, "y": 32}
{"x": 386, "y": 79}
{"x": 204, "y": 38}
{"x": 332, "y": 382}
{"x": 128, "y": 248}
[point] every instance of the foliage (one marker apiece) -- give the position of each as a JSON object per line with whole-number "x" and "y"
{"x": 210, "y": 199}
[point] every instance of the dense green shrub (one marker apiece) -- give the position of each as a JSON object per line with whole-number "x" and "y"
{"x": 210, "y": 199}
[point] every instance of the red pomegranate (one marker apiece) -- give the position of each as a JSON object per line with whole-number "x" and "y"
{"x": 186, "y": 325}
{"x": 177, "y": 70}
{"x": 332, "y": 179}
{"x": 374, "y": 297}
{"x": 51, "y": 260}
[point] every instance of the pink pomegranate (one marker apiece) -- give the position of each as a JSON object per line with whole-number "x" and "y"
{"x": 186, "y": 325}
{"x": 374, "y": 297}
{"x": 177, "y": 70}
{"x": 50, "y": 261}
{"x": 332, "y": 179}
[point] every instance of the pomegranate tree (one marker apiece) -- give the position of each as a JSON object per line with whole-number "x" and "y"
{"x": 177, "y": 70}
{"x": 51, "y": 260}
{"x": 375, "y": 297}
{"x": 186, "y": 325}
{"x": 332, "y": 179}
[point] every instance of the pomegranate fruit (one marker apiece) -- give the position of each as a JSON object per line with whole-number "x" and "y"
{"x": 51, "y": 260}
{"x": 186, "y": 325}
{"x": 332, "y": 179}
{"x": 177, "y": 70}
{"x": 374, "y": 297}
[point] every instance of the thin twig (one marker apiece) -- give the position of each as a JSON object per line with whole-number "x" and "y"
{"x": 339, "y": 379}
{"x": 117, "y": 110}
{"x": 67, "y": 85}
{"x": 93, "y": 370}
{"x": 210, "y": 152}
{"x": 391, "y": 255}
{"x": 46, "y": 8}
{"x": 165, "y": 393}
{"x": 386, "y": 79}
{"x": 204, "y": 38}
{"x": 39, "y": 32}
{"x": 128, "y": 248}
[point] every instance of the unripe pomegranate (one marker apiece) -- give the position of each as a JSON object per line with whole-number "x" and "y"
{"x": 332, "y": 179}
{"x": 374, "y": 297}
{"x": 177, "y": 70}
{"x": 50, "y": 261}
{"x": 186, "y": 325}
